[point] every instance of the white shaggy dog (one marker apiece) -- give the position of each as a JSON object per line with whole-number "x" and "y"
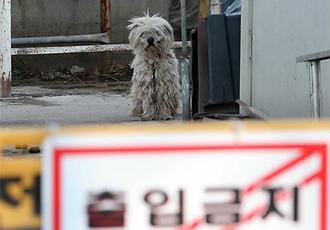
{"x": 155, "y": 90}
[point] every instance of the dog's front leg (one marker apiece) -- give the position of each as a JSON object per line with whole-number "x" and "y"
{"x": 149, "y": 106}
{"x": 136, "y": 100}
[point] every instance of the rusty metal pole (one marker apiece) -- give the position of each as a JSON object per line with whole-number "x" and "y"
{"x": 5, "y": 48}
{"x": 105, "y": 28}
{"x": 105, "y": 17}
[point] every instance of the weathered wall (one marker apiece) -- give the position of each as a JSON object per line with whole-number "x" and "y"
{"x": 281, "y": 31}
{"x": 72, "y": 17}
{"x": 54, "y": 18}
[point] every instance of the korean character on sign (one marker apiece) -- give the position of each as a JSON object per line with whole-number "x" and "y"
{"x": 34, "y": 191}
{"x": 159, "y": 218}
{"x": 221, "y": 213}
{"x": 106, "y": 209}
{"x": 274, "y": 195}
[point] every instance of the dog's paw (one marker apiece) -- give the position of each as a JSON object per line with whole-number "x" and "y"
{"x": 168, "y": 118}
{"x": 146, "y": 118}
{"x": 156, "y": 118}
{"x": 136, "y": 111}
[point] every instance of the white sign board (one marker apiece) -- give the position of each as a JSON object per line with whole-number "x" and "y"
{"x": 184, "y": 180}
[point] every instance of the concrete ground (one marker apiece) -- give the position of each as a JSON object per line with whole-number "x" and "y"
{"x": 39, "y": 106}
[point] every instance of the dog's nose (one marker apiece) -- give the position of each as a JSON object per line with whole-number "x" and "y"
{"x": 151, "y": 40}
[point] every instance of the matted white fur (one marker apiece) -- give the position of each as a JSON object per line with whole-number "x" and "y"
{"x": 155, "y": 90}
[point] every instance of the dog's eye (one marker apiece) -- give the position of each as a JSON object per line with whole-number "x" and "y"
{"x": 142, "y": 34}
{"x": 154, "y": 31}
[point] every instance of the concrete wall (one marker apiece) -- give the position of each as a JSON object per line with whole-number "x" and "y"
{"x": 50, "y": 18}
{"x": 72, "y": 17}
{"x": 281, "y": 30}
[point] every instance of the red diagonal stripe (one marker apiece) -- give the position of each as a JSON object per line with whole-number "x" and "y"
{"x": 280, "y": 197}
{"x": 275, "y": 173}
{"x": 259, "y": 183}
{"x": 193, "y": 225}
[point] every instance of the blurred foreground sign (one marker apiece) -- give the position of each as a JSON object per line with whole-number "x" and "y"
{"x": 188, "y": 177}
{"x": 20, "y": 193}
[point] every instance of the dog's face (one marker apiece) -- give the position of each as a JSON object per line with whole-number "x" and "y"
{"x": 150, "y": 34}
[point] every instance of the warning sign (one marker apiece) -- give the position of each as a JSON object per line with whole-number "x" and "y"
{"x": 20, "y": 193}
{"x": 251, "y": 180}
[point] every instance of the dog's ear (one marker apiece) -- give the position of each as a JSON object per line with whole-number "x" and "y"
{"x": 169, "y": 30}
{"x": 135, "y": 22}
{"x": 132, "y": 25}
{"x": 132, "y": 34}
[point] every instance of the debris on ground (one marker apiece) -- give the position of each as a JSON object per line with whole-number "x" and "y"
{"x": 34, "y": 149}
{"x": 71, "y": 76}
{"x": 77, "y": 70}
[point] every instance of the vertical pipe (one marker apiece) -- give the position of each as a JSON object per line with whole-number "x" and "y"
{"x": 105, "y": 28}
{"x": 5, "y": 48}
{"x": 246, "y": 55}
{"x": 315, "y": 90}
{"x": 204, "y": 8}
{"x": 183, "y": 28}
{"x": 185, "y": 66}
{"x": 215, "y": 7}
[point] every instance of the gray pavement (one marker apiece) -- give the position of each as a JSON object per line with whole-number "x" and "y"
{"x": 37, "y": 106}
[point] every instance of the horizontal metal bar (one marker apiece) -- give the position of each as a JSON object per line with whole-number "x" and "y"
{"x": 78, "y": 49}
{"x": 86, "y": 38}
{"x": 314, "y": 56}
{"x": 70, "y": 49}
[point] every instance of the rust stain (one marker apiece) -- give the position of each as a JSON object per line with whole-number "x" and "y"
{"x": 105, "y": 17}
{"x": 203, "y": 9}
{"x": 5, "y": 85}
